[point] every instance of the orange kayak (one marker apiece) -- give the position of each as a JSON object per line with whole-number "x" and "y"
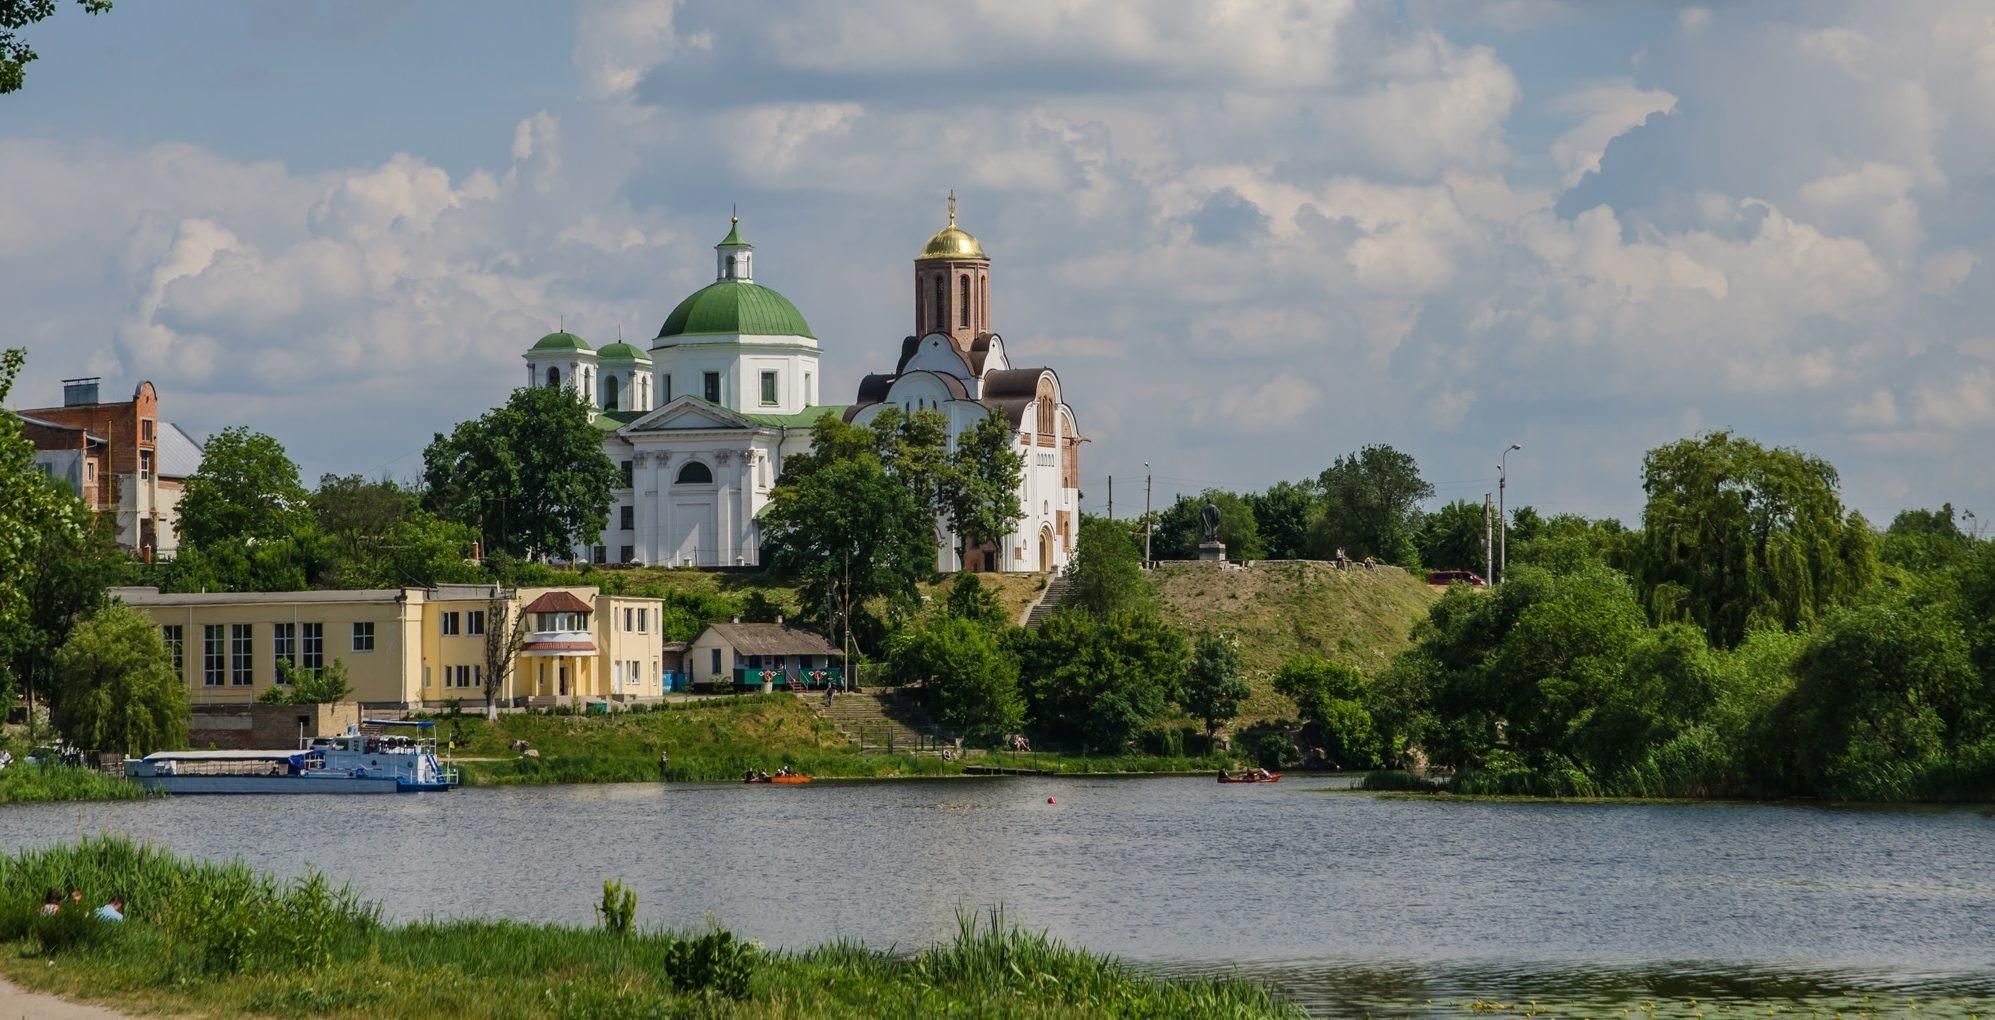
{"x": 788, "y": 780}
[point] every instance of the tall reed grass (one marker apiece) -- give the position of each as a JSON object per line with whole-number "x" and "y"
{"x": 22, "y": 783}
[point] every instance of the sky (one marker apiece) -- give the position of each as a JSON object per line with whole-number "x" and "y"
{"x": 1249, "y": 236}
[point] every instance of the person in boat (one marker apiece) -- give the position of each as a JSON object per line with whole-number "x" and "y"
{"x": 747, "y": 775}
{"x": 1263, "y": 773}
{"x": 763, "y": 776}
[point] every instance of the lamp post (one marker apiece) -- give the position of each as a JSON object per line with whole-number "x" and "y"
{"x": 1503, "y": 521}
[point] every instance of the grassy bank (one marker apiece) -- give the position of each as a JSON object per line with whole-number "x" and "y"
{"x": 1282, "y": 609}
{"x": 220, "y": 941}
{"x": 29, "y": 784}
{"x": 715, "y": 740}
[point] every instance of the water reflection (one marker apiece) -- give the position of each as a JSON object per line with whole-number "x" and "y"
{"x": 1352, "y": 902}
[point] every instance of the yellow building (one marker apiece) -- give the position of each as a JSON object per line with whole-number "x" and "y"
{"x": 413, "y": 647}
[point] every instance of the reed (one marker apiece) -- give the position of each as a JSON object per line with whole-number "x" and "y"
{"x": 177, "y": 954}
{"x": 26, "y": 784}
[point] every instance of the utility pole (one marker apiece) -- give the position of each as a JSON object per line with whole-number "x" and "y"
{"x": 1146, "y": 514}
{"x": 1488, "y": 542}
{"x": 1503, "y": 522}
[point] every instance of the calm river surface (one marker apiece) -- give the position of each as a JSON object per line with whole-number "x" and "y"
{"x": 1347, "y": 901}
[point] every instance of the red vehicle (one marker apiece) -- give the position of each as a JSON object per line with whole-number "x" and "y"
{"x": 1455, "y": 577}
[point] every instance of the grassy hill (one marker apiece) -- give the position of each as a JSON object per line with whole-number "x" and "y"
{"x": 1015, "y": 591}
{"x": 1277, "y": 610}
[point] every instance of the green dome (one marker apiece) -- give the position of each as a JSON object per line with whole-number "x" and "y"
{"x": 621, "y": 351}
{"x": 563, "y": 341}
{"x": 735, "y": 306}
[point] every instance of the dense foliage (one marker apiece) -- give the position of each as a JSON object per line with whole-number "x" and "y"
{"x": 530, "y": 476}
{"x": 120, "y": 692}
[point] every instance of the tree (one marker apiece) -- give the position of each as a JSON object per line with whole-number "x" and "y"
{"x": 1924, "y": 540}
{"x": 15, "y": 55}
{"x": 980, "y": 496}
{"x": 1451, "y": 538}
{"x": 850, "y": 532}
{"x": 1371, "y": 505}
{"x": 530, "y": 476}
{"x": 1736, "y": 535}
{"x": 1331, "y": 697}
{"x": 121, "y": 692}
{"x": 1180, "y": 529}
{"x": 247, "y": 488}
{"x": 296, "y": 686}
{"x": 68, "y": 573}
{"x": 1284, "y": 514}
{"x": 358, "y": 512}
{"x": 974, "y": 679}
{"x": 970, "y": 600}
{"x": 1214, "y": 689}
{"x": 915, "y": 449}
{"x": 1099, "y": 679}
{"x": 417, "y": 551}
{"x": 36, "y": 517}
{"x": 505, "y": 633}
{"x": 1106, "y": 573}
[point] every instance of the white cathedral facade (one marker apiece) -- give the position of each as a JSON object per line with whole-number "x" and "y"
{"x": 701, "y": 424}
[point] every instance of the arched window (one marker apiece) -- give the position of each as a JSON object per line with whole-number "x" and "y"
{"x": 963, "y": 312}
{"x": 730, "y": 268}
{"x": 609, "y": 393}
{"x": 553, "y": 377}
{"x": 940, "y": 311}
{"x": 695, "y": 473}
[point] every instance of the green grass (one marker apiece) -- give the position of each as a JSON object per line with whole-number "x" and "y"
{"x": 21, "y": 783}
{"x": 715, "y": 740}
{"x": 1015, "y": 591}
{"x": 179, "y": 952}
{"x": 1279, "y": 610}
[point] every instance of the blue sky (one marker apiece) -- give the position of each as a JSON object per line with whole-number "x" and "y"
{"x": 1249, "y": 237}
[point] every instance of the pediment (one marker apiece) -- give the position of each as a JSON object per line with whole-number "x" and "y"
{"x": 688, "y": 414}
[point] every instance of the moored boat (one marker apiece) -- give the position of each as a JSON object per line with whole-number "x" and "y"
{"x": 1249, "y": 777}
{"x": 784, "y": 780}
{"x": 357, "y": 761}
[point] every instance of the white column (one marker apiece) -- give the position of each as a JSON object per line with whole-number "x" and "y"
{"x": 724, "y": 511}
{"x": 640, "y": 483}
{"x": 661, "y": 521}
{"x": 746, "y": 508}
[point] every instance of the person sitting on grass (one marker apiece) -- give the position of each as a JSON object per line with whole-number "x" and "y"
{"x": 75, "y": 898}
{"x": 52, "y": 902}
{"x": 114, "y": 911}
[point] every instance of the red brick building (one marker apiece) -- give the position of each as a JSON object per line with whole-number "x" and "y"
{"x": 119, "y": 458}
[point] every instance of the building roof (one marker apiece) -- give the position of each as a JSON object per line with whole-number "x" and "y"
{"x": 179, "y": 455}
{"x": 734, "y": 307}
{"x": 804, "y": 418}
{"x": 149, "y": 596}
{"x": 621, "y": 351}
{"x": 562, "y": 340}
{"x": 558, "y": 601}
{"x": 88, "y": 436}
{"x": 772, "y": 639}
{"x": 1012, "y": 382}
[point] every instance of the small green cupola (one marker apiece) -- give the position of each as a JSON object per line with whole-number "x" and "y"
{"x": 734, "y": 258}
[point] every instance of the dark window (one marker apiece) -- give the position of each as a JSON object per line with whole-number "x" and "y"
{"x": 963, "y": 311}
{"x": 667, "y": 380}
{"x": 627, "y": 554}
{"x": 553, "y": 378}
{"x": 176, "y": 644}
{"x": 284, "y": 642}
{"x": 711, "y": 381}
{"x": 627, "y": 518}
{"x": 600, "y": 554}
{"x": 314, "y": 645}
{"x": 695, "y": 473}
{"x": 609, "y": 393}
{"x": 450, "y": 624}
{"x": 214, "y": 655}
{"x": 474, "y": 622}
{"x": 939, "y": 312}
{"x": 769, "y": 387}
{"x": 242, "y": 655}
{"x": 363, "y": 636}
{"x": 623, "y": 471}
{"x": 716, "y": 662}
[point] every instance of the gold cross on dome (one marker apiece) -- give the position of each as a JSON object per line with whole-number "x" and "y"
{"x": 952, "y": 207}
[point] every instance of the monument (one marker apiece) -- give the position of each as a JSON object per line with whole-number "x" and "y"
{"x": 1212, "y": 550}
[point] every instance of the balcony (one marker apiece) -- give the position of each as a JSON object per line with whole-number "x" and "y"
{"x": 558, "y": 642}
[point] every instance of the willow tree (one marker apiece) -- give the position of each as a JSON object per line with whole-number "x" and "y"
{"x": 1738, "y": 536}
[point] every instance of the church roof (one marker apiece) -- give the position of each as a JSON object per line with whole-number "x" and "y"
{"x": 562, "y": 340}
{"x": 1012, "y": 382}
{"x": 621, "y": 351}
{"x": 952, "y": 242}
{"x": 734, "y": 307}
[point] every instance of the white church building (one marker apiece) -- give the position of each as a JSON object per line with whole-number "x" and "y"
{"x": 701, "y": 423}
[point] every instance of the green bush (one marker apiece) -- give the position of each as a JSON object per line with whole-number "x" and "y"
{"x": 67, "y": 930}
{"x": 1274, "y": 750}
{"x": 618, "y": 910}
{"x": 715, "y": 964}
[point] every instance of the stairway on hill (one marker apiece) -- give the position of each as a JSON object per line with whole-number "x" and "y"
{"x": 879, "y": 719}
{"x": 1049, "y": 600}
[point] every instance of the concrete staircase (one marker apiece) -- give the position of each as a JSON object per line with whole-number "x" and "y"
{"x": 1049, "y": 600}
{"x": 881, "y": 720}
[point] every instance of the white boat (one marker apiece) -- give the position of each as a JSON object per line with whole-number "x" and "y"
{"x": 356, "y": 761}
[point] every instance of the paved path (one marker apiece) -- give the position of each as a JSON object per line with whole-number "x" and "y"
{"x": 16, "y": 1001}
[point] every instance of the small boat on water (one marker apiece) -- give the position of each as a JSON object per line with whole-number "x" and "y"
{"x": 357, "y": 761}
{"x": 1250, "y": 777}
{"x": 782, "y": 780}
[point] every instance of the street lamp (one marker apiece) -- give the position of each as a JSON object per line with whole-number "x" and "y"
{"x": 1503, "y": 521}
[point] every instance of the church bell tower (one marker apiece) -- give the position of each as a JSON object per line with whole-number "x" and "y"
{"x": 952, "y": 285}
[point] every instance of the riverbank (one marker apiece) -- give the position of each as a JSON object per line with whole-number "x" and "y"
{"x": 716, "y": 740}
{"x": 21, "y": 783}
{"x": 220, "y": 941}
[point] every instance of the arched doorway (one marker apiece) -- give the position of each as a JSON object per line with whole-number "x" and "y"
{"x": 1046, "y": 549}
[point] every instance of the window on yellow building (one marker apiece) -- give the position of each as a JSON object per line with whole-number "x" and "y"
{"x": 363, "y": 636}
{"x": 314, "y": 645}
{"x": 214, "y": 655}
{"x": 175, "y": 637}
{"x": 284, "y": 643}
{"x": 474, "y": 622}
{"x": 450, "y": 624}
{"x": 242, "y": 655}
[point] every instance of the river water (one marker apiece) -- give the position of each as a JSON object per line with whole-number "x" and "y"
{"x": 1349, "y": 902}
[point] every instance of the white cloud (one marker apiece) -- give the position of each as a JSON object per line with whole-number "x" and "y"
{"x": 1605, "y": 111}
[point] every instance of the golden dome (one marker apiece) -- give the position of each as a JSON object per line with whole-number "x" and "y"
{"x": 952, "y": 241}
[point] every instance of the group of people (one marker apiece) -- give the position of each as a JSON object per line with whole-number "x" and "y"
{"x": 113, "y": 909}
{"x": 1253, "y": 773}
{"x": 1344, "y": 562}
{"x": 762, "y": 776}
